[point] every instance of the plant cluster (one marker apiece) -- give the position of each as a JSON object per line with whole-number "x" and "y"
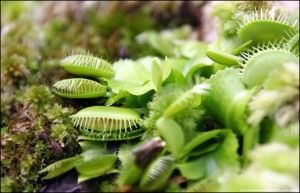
{"x": 33, "y": 36}
{"x": 159, "y": 108}
{"x": 189, "y": 116}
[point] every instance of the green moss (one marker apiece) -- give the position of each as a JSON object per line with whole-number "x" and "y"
{"x": 12, "y": 11}
{"x": 38, "y": 95}
{"x": 35, "y": 124}
{"x": 17, "y": 52}
{"x": 6, "y": 183}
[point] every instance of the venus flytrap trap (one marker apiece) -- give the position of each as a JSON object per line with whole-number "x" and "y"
{"x": 157, "y": 173}
{"x": 260, "y": 60}
{"x": 264, "y": 26}
{"x": 134, "y": 162}
{"x": 79, "y": 88}
{"x": 107, "y": 123}
{"x": 86, "y": 65}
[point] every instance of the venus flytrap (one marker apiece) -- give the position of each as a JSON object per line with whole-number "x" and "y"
{"x": 136, "y": 159}
{"x": 86, "y": 65}
{"x": 157, "y": 174}
{"x": 263, "y": 26}
{"x": 152, "y": 97}
{"x": 95, "y": 123}
{"x": 91, "y": 163}
{"x": 61, "y": 166}
{"x": 106, "y": 119}
{"x": 227, "y": 102}
{"x": 91, "y": 168}
{"x": 79, "y": 88}
{"x": 260, "y": 60}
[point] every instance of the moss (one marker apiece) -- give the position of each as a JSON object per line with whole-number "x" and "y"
{"x": 36, "y": 123}
{"x": 38, "y": 95}
{"x": 17, "y": 52}
{"x": 6, "y": 183}
{"x": 11, "y": 11}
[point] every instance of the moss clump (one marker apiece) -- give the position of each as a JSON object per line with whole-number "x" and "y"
{"x": 39, "y": 132}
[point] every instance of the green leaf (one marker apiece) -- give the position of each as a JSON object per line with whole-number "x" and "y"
{"x": 238, "y": 109}
{"x": 189, "y": 98}
{"x": 79, "y": 88}
{"x": 294, "y": 43}
{"x": 190, "y": 48}
{"x": 226, "y": 100}
{"x": 213, "y": 163}
{"x": 130, "y": 173}
{"x": 172, "y": 134}
{"x": 156, "y": 76}
{"x": 176, "y": 77}
{"x": 198, "y": 140}
{"x": 223, "y": 58}
{"x": 200, "y": 65}
{"x": 115, "y": 98}
{"x": 94, "y": 167}
{"x": 91, "y": 145}
{"x": 241, "y": 48}
{"x": 161, "y": 44}
{"x": 178, "y": 63}
{"x": 259, "y": 65}
{"x": 136, "y": 76}
{"x": 61, "y": 166}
